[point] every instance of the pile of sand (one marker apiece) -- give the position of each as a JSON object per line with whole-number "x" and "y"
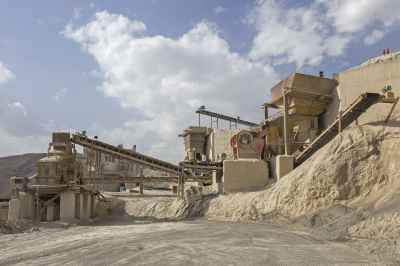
{"x": 355, "y": 173}
{"x": 350, "y": 189}
{"x": 358, "y": 169}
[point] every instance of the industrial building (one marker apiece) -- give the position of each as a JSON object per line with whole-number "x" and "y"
{"x": 303, "y": 114}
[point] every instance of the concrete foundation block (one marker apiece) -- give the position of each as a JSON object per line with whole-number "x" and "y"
{"x": 283, "y": 165}
{"x": 67, "y": 206}
{"x": 244, "y": 175}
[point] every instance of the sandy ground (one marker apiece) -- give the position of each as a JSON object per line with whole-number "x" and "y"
{"x": 346, "y": 197}
{"x": 197, "y": 242}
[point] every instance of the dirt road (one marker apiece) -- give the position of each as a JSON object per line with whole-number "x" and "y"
{"x": 173, "y": 243}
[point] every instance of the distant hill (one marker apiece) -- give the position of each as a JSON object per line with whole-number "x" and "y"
{"x": 19, "y": 165}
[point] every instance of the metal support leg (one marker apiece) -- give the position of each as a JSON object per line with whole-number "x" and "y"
{"x": 285, "y": 123}
{"x": 37, "y": 207}
{"x": 181, "y": 184}
{"x": 199, "y": 120}
{"x": 141, "y": 186}
{"x": 391, "y": 110}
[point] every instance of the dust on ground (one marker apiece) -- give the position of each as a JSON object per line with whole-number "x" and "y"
{"x": 341, "y": 207}
{"x": 198, "y": 242}
{"x": 349, "y": 191}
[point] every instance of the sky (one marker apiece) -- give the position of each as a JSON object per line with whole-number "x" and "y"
{"x": 134, "y": 72}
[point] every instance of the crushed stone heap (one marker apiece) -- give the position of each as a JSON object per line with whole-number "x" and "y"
{"x": 348, "y": 190}
{"x": 358, "y": 169}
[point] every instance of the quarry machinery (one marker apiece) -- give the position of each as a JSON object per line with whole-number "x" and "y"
{"x": 218, "y": 116}
{"x": 300, "y": 130}
{"x": 295, "y": 131}
{"x": 130, "y": 155}
{"x": 247, "y": 144}
{"x": 64, "y": 189}
{"x": 351, "y": 114}
{"x": 175, "y": 173}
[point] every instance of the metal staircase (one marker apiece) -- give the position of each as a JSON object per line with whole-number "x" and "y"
{"x": 358, "y": 107}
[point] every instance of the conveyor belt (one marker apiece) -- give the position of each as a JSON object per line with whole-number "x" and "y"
{"x": 126, "y": 154}
{"x": 141, "y": 179}
{"x": 359, "y": 106}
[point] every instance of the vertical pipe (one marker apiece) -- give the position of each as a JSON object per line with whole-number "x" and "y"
{"x": 285, "y": 122}
{"x": 199, "y": 121}
{"x": 265, "y": 113}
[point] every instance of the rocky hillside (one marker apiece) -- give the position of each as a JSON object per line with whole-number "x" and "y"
{"x": 18, "y": 165}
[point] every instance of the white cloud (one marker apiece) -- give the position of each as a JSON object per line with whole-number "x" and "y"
{"x": 293, "y": 35}
{"x": 167, "y": 79}
{"x": 60, "y": 94}
{"x": 219, "y": 10}
{"x": 18, "y": 106}
{"x": 356, "y": 15}
{"x": 308, "y": 34}
{"x": 5, "y": 74}
{"x": 374, "y": 37}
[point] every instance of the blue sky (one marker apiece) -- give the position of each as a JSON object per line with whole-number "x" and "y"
{"x": 133, "y": 72}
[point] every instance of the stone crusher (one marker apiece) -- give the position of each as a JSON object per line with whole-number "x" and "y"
{"x": 63, "y": 190}
{"x": 55, "y": 192}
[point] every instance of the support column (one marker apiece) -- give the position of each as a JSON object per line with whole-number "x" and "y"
{"x": 181, "y": 184}
{"x": 285, "y": 122}
{"x": 265, "y": 113}
{"x": 27, "y": 205}
{"x": 284, "y": 164}
{"x": 141, "y": 187}
{"x": 37, "y": 216}
{"x": 92, "y": 203}
{"x": 217, "y": 181}
{"x": 14, "y": 213}
{"x": 67, "y": 206}
{"x": 199, "y": 120}
{"x": 50, "y": 213}
{"x": 84, "y": 207}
